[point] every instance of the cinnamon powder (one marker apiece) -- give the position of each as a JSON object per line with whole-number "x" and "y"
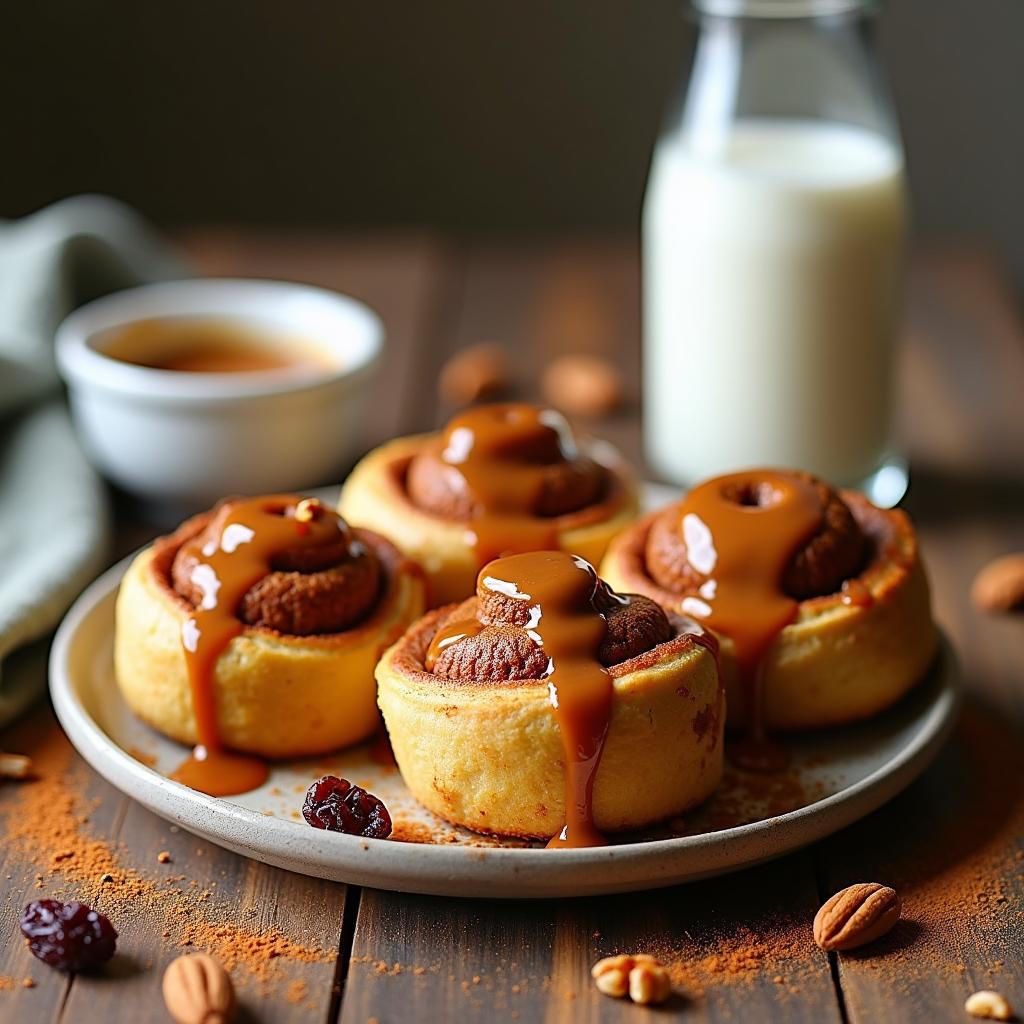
{"x": 743, "y": 797}
{"x": 741, "y": 955}
{"x": 959, "y": 883}
{"x": 298, "y": 992}
{"x": 46, "y": 824}
{"x": 960, "y": 880}
{"x": 443, "y": 835}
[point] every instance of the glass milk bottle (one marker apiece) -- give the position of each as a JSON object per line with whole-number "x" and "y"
{"x": 773, "y": 238}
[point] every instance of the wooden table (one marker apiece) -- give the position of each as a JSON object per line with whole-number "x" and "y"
{"x": 951, "y": 844}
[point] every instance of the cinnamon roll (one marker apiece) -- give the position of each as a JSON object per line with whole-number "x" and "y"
{"x": 548, "y": 706}
{"x": 254, "y": 629}
{"x": 499, "y": 479}
{"x": 819, "y": 599}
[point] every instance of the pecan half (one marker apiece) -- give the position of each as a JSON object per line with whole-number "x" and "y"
{"x": 473, "y": 373}
{"x": 583, "y": 385}
{"x": 999, "y": 586}
{"x": 856, "y": 915}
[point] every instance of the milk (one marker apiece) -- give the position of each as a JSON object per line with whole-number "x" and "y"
{"x": 771, "y": 278}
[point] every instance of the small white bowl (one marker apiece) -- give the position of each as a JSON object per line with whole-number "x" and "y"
{"x": 188, "y": 438}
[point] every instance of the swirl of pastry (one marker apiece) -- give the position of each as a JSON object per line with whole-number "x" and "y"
{"x": 253, "y": 632}
{"x": 496, "y": 640}
{"x": 498, "y": 480}
{"x": 324, "y": 587}
{"x": 819, "y": 597}
{"x": 835, "y": 551}
{"x": 506, "y": 458}
{"x": 525, "y": 709}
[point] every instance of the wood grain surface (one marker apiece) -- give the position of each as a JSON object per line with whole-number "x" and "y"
{"x": 740, "y": 946}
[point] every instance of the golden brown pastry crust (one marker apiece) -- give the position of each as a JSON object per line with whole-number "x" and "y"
{"x": 487, "y": 753}
{"x": 376, "y": 494}
{"x": 837, "y": 662}
{"x": 277, "y": 694}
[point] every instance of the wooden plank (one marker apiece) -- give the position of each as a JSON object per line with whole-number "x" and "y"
{"x": 738, "y": 948}
{"x": 422, "y": 958}
{"x": 43, "y": 1001}
{"x": 952, "y": 844}
{"x": 278, "y": 932}
{"x": 962, "y": 418}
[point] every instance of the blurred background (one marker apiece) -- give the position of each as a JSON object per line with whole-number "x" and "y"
{"x": 479, "y": 118}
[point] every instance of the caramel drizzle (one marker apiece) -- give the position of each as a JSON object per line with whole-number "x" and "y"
{"x": 565, "y": 619}
{"x": 499, "y": 452}
{"x": 743, "y": 551}
{"x": 253, "y": 533}
{"x": 856, "y": 594}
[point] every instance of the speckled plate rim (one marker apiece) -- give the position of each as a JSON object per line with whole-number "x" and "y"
{"x": 451, "y": 870}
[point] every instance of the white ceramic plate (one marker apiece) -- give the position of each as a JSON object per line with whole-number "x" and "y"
{"x": 837, "y": 777}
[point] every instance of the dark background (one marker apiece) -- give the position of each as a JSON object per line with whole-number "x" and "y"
{"x": 467, "y": 115}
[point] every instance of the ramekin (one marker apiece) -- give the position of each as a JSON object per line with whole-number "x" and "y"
{"x": 191, "y": 438}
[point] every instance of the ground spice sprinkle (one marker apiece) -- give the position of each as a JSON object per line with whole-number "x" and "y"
{"x": 47, "y": 823}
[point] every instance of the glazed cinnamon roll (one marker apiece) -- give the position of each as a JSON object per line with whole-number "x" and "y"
{"x": 499, "y": 479}
{"x": 548, "y": 706}
{"x": 255, "y": 629}
{"x": 819, "y": 599}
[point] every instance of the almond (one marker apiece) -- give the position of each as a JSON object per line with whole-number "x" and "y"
{"x": 999, "y": 586}
{"x": 583, "y": 385}
{"x": 479, "y": 371}
{"x": 197, "y": 990}
{"x": 856, "y": 915}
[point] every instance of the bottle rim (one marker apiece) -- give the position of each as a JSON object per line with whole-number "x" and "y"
{"x": 779, "y": 8}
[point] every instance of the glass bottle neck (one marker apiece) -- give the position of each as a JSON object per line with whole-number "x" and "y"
{"x": 806, "y": 70}
{"x": 782, "y": 8}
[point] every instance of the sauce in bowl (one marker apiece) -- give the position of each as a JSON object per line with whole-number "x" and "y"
{"x": 188, "y": 344}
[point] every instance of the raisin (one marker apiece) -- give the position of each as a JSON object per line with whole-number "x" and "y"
{"x": 68, "y": 936}
{"x": 338, "y": 806}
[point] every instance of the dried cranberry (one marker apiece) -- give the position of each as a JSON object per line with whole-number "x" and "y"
{"x": 68, "y": 936}
{"x": 337, "y": 805}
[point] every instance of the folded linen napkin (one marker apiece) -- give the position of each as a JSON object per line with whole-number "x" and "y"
{"x": 53, "y": 506}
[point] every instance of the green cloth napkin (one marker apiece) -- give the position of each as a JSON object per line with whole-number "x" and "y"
{"x": 53, "y": 506}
